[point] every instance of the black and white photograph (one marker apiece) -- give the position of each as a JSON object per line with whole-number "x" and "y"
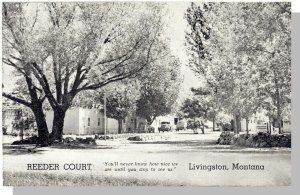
{"x": 148, "y": 93}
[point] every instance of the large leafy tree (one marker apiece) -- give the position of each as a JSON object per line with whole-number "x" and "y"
{"x": 270, "y": 47}
{"x": 243, "y": 51}
{"x": 193, "y": 108}
{"x": 121, "y": 100}
{"x": 160, "y": 86}
{"x": 208, "y": 101}
{"x": 62, "y": 49}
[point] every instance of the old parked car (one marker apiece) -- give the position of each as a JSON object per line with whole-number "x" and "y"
{"x": 165, "y": 126}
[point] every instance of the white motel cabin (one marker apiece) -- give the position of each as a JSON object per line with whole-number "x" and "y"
{"x": 84, "y": 121}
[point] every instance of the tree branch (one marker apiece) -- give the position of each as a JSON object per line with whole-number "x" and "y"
{"x": 119, "y": 77}
{"x": 16, "y": 99}
{"x": 10, "y": 63}
{"x": 44, "y": 83}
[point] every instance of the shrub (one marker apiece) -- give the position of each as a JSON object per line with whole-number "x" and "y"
{"x": 226, "y": 138}
{"x": 259, "y": 140}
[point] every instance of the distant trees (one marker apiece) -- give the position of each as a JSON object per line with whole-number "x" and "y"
{"x": 208, "y": 101}
{"x": 62, "y": 49}
{"x": 121, "y": 100}
{"x": 160, "y": 85}
{"x": 193, "y": 108}
{"x": 243, "y": 52}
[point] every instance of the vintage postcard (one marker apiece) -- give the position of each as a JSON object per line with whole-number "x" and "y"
{"x": 146, "y": 93}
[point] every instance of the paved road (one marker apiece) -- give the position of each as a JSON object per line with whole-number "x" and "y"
{"x": 177, "y": 148}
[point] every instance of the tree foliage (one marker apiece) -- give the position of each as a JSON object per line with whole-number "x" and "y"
{"x": 193, "y": 108}
{"x": 68, "y": 48}
{"x": 160, "y": 86}
{"x": 243, "y": 52}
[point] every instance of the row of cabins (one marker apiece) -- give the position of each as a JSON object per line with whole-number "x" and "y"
{"x": 83, "y": 121}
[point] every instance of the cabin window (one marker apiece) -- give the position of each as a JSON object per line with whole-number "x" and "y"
{"x": 124, "y": 120}
{"x": 98, "y": 121}
{"x": 89, "y": 122}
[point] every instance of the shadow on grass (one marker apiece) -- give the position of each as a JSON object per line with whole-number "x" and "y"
{"x": 209, "y": 146}
{"x": 29, "y": 149}
{"x": 79, "y": 146}
{"x": 191, "y": 143}
{"x": 190, "y": 132}
{"x": 21, "y": 149}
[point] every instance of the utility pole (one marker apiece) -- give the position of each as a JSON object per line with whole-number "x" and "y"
{"x": 105, "y": 116}
{"x": 20, "y": 123}
{"x": 22, "y": 126}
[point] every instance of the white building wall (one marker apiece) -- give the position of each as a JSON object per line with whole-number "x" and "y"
{"x": 132, "y": 123}
{"x": 251, "y": 125}
{"x": 89, "y": 121}
{"x": 94, "y": 115}
{"x": 81, "y": 121}
{"x": 287, "y": 127}
{"x": 71, "y": 124}
{"x": 76, "y": 122}
{"x": 112, "y": 126}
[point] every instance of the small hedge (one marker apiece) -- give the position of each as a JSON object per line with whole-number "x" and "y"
{"x": 259, "y": 140}
{"x": 67, "y": 140}
{"x": 70, "y": 140}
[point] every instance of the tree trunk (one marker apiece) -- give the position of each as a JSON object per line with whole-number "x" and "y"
{"x": 119, "y": 126}
{"x": 235, "y": 125}
{"x": 150, "y": 119}
{"x": 221, "y": 125}
{"x": 58, "y": 125}
{"x": 270, "y": 126}
{"x": 238, "y": 124}
{"x": 37, "y": 108}
{"x": 202, "y": 129}
{"x": 278, "y": 113}
{"x": 247, "y": 126}
{"x": 43, "y": 133}
{"x": 36, "y": 105}
{"x": 214, "y": 123}
{"x": 195, "y": 127}
{"x": 277, "y": 96}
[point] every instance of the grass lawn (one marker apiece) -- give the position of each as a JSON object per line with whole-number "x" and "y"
{"x": 50, "y": 179}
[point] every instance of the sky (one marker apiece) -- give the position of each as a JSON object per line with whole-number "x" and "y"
{"x": 176, "y": 27}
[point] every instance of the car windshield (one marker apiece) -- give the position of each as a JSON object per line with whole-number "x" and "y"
{"x": 165, "y": 123}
